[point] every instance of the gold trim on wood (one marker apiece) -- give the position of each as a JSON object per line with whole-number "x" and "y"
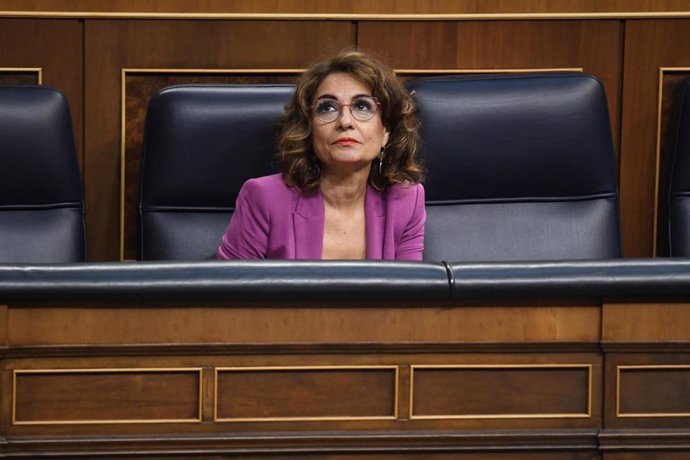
{"x": 588, "y": 414}
{"x": 620, "y": 414}
{"x": 123, "y": 97}
{"x": 38, "y": 70}
{"x": 657, "y": 168}
{"x": 394, "y": 368}
{"x": 345, "y": 16}
{"x": 15, "y": 372}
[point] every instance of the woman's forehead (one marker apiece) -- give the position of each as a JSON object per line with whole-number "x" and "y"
{"x": 342, "y": 86}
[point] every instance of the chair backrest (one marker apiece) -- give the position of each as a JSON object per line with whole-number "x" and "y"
{"x": 202, "y": 142}
{"x": 679, "y": 195}
{"x": 520, "y": 167}
{"x": 41, "y": 206}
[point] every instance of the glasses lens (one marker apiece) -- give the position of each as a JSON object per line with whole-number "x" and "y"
{"x": 327, "y": 110}
{"x": 363, "y": 108}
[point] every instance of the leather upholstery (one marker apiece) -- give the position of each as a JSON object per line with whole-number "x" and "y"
{"x": 520, "y": 167}
{"x": 386, "y": 284}
{"x": 201, "y": 144}
{"x": 41, "y": 207}
{"x": 679, "y": 197}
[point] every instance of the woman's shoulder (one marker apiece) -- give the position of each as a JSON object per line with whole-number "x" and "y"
{"x": 406, "y": 190}
{"x": 266, "y": 184}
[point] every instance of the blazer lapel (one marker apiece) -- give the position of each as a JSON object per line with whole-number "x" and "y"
{"x": 309, "y": 221}
{"x": 375, "y": 215}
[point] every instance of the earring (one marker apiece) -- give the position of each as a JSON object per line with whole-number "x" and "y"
{"x": 382, "y": 155}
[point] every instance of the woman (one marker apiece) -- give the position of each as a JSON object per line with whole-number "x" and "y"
{"x": 350, "y": 186}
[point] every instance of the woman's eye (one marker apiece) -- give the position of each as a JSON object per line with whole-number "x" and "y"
{"x": 362, "y": 105}
{"x": 326, "y": 106}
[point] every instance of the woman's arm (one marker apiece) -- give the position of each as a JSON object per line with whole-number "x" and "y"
{"x": 247, "y": 235}
{"x": 411, "y": 244}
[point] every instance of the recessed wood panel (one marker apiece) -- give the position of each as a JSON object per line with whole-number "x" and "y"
{"x": 654, "y": 391}
{"x": 88, "y": 396}
{"x": 519, "y": 391}
{"x": 671, "y": 81}
{"x": 649, "y": 46}
{"x": 9, "y": 76}
{"x": 306, "y": 393}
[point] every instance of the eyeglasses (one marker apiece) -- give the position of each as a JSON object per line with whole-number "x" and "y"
{"x": 362, "y": 108}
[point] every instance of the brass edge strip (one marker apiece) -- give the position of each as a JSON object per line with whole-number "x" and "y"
{"x": 123, "y": 74}
{"x": 396, "y": 396}
{"x": 643, "y": 414}
{"x": 395, "y": 368}
{"x": 15, "y": 372}
{"x": 657, "y": 169}
{"x": 588, "y": 367}
{"x": 344, "y": 16}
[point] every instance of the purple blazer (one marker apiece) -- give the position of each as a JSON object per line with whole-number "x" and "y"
{"x": 274, "y": 221}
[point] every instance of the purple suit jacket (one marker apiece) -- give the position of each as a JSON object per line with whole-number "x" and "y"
{"x": 274, "y": 221}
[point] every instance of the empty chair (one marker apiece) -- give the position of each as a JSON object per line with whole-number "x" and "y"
{"x": 679, "y": 196}
{"x": 202, "y": 142}
{"x": 520, "y": 167}
{"x": 41, "y": 206}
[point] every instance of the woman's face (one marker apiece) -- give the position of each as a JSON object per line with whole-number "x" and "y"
{"x": 346, "y": 144}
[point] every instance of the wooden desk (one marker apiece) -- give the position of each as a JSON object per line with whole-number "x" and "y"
{"x": 111, "y": 359}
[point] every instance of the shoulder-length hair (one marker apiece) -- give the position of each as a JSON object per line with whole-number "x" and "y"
{"x": 301, "y": 167}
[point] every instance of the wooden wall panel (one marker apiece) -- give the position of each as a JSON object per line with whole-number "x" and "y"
{"x": 284, "y": 393}
{"x": 116, "y": 45}
{"x": 519, "y": 391}
{"x": 594, "y": 46}
{"x": 649, "y": 46}
{"x": 54, "y": 46}
{"x": 58, "y": 397}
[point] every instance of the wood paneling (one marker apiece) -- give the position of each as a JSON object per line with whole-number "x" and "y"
{"x": 646, "y": 322}
{"x": 654, "y": 391}
{"x": 649, "y": 45}
{"x": 594, "y": 46}
{"x": 105, "y": 396}
{"x": 304, "y": 393}
{"x": 114, "y": 45}
{"x": 524, "y": 391}
{"x": 647, "y": 391}
{"x": 64, "y": 325}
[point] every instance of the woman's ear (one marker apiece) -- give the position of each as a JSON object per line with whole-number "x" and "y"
{"x": 386, "y": 135}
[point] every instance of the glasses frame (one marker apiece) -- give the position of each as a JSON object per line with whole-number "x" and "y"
{"x": 312, "y": 107}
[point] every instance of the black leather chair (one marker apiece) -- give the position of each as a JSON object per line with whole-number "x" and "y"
{"x": 41, "y": 206}
{"x": 520, "y": 167}
{"x": 679, "y": 196}
{"x": 201, "y": 143}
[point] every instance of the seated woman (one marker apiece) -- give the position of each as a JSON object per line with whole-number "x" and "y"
{"x": 350, "y": 183}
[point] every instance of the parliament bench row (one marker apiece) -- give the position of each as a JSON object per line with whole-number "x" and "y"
{"x": 519, "y": 167}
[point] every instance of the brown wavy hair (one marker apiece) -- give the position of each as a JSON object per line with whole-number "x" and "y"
{"x": 301, "y": 167}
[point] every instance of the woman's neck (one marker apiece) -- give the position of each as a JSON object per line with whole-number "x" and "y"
{"x": 344, "y": 191}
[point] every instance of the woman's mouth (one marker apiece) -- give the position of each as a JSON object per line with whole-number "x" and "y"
{"x": 345, "y": 141}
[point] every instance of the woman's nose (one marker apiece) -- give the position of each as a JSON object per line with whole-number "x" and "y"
{"x": 345, "y": 117}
